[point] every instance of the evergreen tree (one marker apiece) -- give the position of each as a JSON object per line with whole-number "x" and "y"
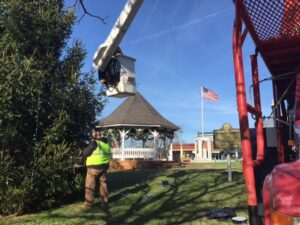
{"x": 48, "y": 105}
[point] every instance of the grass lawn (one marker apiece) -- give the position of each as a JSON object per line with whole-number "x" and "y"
{"x": 235, "y": 165}
{"x": 137, "y": 197}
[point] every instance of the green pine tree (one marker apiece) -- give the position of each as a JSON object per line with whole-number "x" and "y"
{"x": 48, "y": 105}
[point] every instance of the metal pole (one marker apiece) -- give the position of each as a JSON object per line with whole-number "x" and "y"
{"x": 229, "y": 167}
{"x": 243, "y": 116}
{"x": 278, "y": 125}
{"x": 202, "y": 132}
{"x": 258, "y": 118}
{"x": 297, "y": 116}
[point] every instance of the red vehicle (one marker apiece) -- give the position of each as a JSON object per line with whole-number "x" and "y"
{"x": 274, "y": 26}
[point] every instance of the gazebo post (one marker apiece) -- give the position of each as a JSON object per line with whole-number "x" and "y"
{"x": 155, "y": 138}
{"x": 123, "y": 134}
{"x": 165, "y": 153}
{"x": 170, "y": 156}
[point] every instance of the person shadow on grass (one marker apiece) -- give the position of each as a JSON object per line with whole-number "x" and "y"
{"x": 107, "y": 215}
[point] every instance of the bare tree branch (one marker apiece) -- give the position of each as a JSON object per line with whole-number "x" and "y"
{"x": 74, "y": 5}
{"x": 86, "y": 12}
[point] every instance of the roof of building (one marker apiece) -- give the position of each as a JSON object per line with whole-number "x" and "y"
{"x": 135, "y": 112}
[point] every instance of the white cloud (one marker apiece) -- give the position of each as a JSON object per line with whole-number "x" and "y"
{"x": 179, "y": 27}
{"x": 150, "y": 17}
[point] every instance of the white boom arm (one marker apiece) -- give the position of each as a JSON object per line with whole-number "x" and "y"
{"x": 106, "y": 50}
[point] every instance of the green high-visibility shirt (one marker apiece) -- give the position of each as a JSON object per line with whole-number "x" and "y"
{"x": 101, "y": 155}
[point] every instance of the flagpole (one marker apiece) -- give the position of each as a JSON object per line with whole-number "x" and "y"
{"x": 202, "y": 110}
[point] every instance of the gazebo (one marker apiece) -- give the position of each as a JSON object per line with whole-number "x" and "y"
{"x": 136, "y": 120}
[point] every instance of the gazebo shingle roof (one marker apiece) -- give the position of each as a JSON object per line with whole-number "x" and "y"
{"x": 136, "y": 111}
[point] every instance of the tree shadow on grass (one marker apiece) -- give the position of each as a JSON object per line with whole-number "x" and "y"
{"x": 140, "y": 198}
{"x": 182, "y": 202}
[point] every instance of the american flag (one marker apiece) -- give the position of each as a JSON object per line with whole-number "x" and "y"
{"x": 208, "y": 94}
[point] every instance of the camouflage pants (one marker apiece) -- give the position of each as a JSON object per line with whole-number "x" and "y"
{"x": 90, "y": 183}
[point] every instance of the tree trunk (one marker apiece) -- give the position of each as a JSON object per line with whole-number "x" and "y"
{"x": 229, "y": 167}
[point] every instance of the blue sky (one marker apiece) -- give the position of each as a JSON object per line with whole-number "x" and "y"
{"x": 179, "y": 45}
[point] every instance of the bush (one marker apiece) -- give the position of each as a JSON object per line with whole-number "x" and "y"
{"x": 51, "y": 181}
{"x": 48, "y": 181}
{"x": 6, "y": 177}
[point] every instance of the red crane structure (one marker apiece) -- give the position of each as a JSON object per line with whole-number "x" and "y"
{"x": 274, "y": 26}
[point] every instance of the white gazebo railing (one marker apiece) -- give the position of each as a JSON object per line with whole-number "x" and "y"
{"x": 134, "y": 153}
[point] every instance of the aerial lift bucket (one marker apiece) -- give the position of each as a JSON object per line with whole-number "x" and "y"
{"x": 124, "y": 76}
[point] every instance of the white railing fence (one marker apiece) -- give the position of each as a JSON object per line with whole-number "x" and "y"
{"x": 134, "y": 153}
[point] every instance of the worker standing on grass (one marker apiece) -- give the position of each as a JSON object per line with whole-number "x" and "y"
{"x": 98, "y": 154}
